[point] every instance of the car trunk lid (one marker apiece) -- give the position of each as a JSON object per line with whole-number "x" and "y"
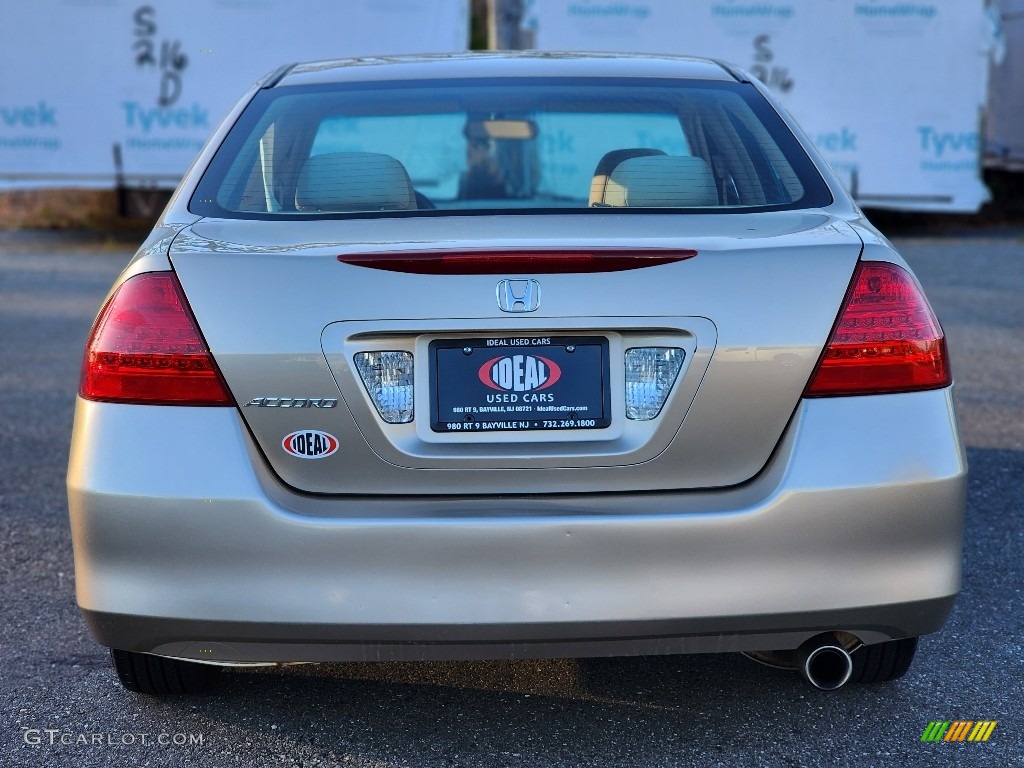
{"x": 290, "y": 309}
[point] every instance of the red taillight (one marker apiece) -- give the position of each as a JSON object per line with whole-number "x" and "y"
{"x": 514, "y": 262}
{"x": 146, "y": 348}
{"x": 887, "y": 339}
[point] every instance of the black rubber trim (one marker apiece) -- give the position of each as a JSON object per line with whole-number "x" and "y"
{"x": 275, "y": 77}
{"x": 733, "y": 72}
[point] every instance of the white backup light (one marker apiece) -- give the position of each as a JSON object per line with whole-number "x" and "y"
{"x": 650, "y": 374}
{"x": 387, "y": 377}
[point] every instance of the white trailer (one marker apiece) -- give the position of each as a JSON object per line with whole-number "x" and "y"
{"x": 892, "y": 91}
{"x": 153, "y": 77}
{"x": 1004, "y": 124}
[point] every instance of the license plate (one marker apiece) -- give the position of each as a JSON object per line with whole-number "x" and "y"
{"x": 512, "y": 384}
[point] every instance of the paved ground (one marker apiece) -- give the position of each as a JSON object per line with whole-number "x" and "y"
{"x": 56, "y": 690}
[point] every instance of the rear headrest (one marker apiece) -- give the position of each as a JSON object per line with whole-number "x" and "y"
{"x": 607, "y": 164}
{"x": 664, "y": 181}
{"x": 354, "y": 181}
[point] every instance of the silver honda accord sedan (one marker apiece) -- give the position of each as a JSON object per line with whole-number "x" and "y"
{"x": 505, "y": 356}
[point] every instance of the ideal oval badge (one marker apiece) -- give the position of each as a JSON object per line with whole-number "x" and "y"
{"x": 519, "y": 373}
{"x": 310, "y": 444}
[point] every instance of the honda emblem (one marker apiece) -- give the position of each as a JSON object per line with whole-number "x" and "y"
{"x": 518, "y": 295}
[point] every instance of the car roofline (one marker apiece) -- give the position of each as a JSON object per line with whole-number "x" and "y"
{"x": 483, "y": 64}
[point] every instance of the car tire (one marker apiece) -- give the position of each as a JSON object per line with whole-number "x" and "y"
{"x": 160, "y": 676}
{"x": 883, "y": 662}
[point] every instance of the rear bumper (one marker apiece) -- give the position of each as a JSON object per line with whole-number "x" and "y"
{"x": 249, "y": 642}
{"x": 187, "y": 546}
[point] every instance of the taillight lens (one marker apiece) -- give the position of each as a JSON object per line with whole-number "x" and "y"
{"x": 887, "y": 339}
{"x": 145, "y": 347}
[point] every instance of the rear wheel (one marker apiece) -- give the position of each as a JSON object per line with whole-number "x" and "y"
{"x": 160, "y": 676}
{"x": 884, "y": 661}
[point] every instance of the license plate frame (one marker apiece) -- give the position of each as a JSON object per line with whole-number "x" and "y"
{"x": 503, "y": 383}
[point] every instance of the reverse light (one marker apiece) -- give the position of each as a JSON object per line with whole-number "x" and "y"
{"x": 887, "y": 339}
{"x": 145, "y": 347}
{"x": 388, "y": 379}
{"x": 650, "y": 374}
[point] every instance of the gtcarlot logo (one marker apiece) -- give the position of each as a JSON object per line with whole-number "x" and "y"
{"x": 959, "y": 730}
{"x": 52, "y": 737}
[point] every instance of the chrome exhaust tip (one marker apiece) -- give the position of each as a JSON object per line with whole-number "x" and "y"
{"x": 825, "y": 664}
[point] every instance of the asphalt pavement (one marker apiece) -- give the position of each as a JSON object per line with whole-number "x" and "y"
{"x": 60, "y": 704}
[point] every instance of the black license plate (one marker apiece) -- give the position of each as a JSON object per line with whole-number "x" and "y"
{"x": 512, "y": 383}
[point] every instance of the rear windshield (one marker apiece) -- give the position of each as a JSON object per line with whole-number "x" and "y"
{"x": 428, "y": 148}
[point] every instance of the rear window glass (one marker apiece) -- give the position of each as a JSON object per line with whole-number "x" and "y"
{"x": 538, "y": 145}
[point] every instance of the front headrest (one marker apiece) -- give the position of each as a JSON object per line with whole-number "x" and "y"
{"x": 354, "y": 181}
{"x": 662, "y": 181}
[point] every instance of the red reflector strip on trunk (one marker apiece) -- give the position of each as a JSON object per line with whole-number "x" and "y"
{"x": 506, "y": 262}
